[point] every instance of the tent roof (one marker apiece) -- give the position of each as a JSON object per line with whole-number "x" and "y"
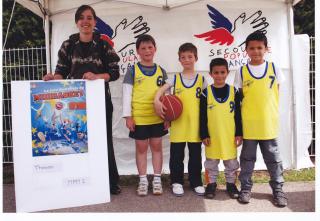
{"x": 61, "y": 6}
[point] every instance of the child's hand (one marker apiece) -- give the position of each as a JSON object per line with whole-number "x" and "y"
{"x": 167, "y": 124}
{"x": 130, "y": 124}
{"x": 159, "y": 108}
{"x": 206, "y": 141}
{"x": 238, "y": 140}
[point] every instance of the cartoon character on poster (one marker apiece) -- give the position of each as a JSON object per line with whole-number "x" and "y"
{"x": 58, "y": 118}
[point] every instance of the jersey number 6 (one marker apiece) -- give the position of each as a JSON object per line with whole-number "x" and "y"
{"x": 159, "y": 81}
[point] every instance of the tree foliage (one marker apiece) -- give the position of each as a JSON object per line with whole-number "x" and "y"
{"x": 26, "y": 29}
{"x": 304, "y": 17}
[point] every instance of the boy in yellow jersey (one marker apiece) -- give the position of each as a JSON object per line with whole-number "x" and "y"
{"x": 140, "y": 84}
{"x": 220, "y": 128}
{"x": 260, "y": 80}
{"x": 188, "y": 86}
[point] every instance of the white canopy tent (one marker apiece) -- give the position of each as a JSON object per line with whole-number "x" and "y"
{"x": 173, "y": 22}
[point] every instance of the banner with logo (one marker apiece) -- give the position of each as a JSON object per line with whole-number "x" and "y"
{"x": 59, "y": 144}
{"x": 217, "y": 27}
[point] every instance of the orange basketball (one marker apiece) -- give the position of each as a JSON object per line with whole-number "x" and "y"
{"x": 174, "y": 107}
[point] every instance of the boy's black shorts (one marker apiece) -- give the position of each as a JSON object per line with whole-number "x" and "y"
{"x": 143, "y": 132}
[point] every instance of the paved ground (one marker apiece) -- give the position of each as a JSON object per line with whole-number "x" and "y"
{"x": 301, "y": 197}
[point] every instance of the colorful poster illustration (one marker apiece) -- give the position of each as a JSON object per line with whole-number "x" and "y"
{"x": 58, "y": 118}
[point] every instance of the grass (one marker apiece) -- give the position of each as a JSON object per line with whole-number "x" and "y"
{"x": 258, "y": 176}
{"x": 262, "y": 176}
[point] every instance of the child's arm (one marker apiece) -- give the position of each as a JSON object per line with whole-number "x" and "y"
{"x": 158, "y": 106}
{"x": 204, "y": 132}
{"x": 127, "y": 88}
{"x": 237, "y": 118}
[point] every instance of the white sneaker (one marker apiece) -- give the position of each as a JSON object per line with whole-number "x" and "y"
{"x": 142, "y": 189}
{"x": 157, "y": 187}
{"x": 199, "y": 190}
{"x": 177, "y": 189}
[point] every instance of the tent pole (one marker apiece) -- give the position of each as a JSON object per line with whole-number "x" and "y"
{"x": 47, "y": 35}
{"x": 294, "y": 151}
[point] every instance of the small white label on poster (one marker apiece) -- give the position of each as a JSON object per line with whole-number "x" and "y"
{"x": 46, "y": 168}
{"x": 76, "y": 181}
{"x": 59, "y": 144}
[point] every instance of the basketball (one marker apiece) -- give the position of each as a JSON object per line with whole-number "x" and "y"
{"x": 173, "y": 105}
{"x": 59, "y": 105}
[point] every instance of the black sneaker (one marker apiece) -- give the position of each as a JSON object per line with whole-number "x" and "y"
{"x": 210, "y": 190}
{"x": 244, "y": 196}
{"x": 232, "y": 190}
{"x": 280, "y": 199}
{"x": 115, "y": 189}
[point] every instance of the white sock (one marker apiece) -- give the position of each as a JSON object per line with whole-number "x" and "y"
{"x": 143, "y": 178}
{"x": 157, "y": 177}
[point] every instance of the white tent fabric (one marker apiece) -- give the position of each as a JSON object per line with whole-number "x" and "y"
{"x": 303, "y": 116}
{"x": 173, "y": 27}
{"x": 61, "y": 6}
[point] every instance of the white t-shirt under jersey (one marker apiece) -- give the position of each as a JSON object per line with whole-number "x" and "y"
{"x": 258, "y": 71}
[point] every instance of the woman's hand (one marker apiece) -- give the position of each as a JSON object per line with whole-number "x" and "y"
{"x": 48, "y": 77}
{"x": 90, "y": 76}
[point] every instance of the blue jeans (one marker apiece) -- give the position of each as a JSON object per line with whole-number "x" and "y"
{"x": 271, "y": 156}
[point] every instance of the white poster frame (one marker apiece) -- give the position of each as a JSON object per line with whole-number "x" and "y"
{"x": 60, "y": 181}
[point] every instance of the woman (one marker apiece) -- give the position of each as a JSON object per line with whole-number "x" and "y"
{"x": 85, "y": 56}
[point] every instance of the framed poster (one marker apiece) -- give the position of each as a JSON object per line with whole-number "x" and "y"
{"x": 59, "y": 144}
{"x": 58, "y": 118}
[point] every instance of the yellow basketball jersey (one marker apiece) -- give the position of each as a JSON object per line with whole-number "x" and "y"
{"x": 221, "y": 125}
{"x": 186, "y": 128}
{"x": 144, "y": 90}
{"x": 260, "y": 114}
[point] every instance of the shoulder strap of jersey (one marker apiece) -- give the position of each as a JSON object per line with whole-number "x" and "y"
{"x": 274, "y": 69}
{"x": 174, "y": 82}
{"x": 241, "y": 72}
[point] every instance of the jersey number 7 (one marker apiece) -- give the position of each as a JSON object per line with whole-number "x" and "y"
{"x": 272, "y": 80}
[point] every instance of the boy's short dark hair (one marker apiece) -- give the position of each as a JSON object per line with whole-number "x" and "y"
{"x": 83, "y": 8}
{"x": 257, "y": 36}
{"x": 218, "y": 62}
{"x": 145, "y": 38}
{"x": 188, "y": 47}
